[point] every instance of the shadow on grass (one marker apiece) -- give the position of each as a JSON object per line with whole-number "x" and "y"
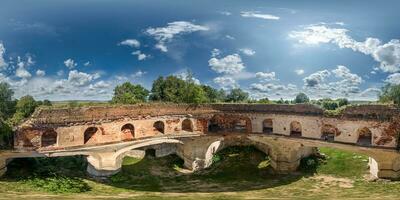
{"x": 234, "y": 169}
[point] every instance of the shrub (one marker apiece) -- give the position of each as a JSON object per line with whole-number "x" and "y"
{"x": 59, "y": 184}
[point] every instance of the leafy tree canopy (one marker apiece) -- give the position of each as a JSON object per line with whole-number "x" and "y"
{"x": 237, "y": 95}
{"x": 7, "y": 105}
{"x": 390, "y": 94}
{"x": 301, "y": 98}
{"x": 128, "y": 93}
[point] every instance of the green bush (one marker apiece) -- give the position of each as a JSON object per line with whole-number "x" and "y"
{"x": 59, "y": 184}
{"x": 310, "y": 164}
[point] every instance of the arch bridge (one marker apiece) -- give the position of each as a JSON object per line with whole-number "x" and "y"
{"x": 286, "y": 133}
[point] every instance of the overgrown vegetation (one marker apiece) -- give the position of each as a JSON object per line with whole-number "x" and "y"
{"x": 13, "y": 111}
{"x": 55, "y": 175}
{"x": 390, "y": 94}
{"x": 239, "y": 173}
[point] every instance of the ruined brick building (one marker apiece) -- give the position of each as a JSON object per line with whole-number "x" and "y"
{"x": 286, "y": 133}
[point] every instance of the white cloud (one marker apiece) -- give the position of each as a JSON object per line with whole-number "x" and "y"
{"x": 231, "y": 64}
{"x": 70, "y": 63}
{"x": 342, "y": 84}
{"x": 247, "y": 51}
{"x": 3, "y": 63}
{"x": 266, "y": 76}
{"x": 215, "y": 52}
{"x": 230, "y": 37}
{"x": 315, "y": 79}
{"x": 299, "y": 71}
{"x": 183, "y": 74}
{"x": 80, "y": 78}
{"x": 138, "y": 74}
{"x": 388, "y": 55}
{"x": 86, "y": 64}
{"x": 130, "y": 42}
{"x": 165, "y": 34}
{"x": 393, "y": 79}
{"x": 99, "y": 85}
{"x": 21, "y": 72}
{"x": 256, "y": 14}
{"x": 226, "y": 82}
{"x": 140, "y": 55}
{"x": 40, "y": 72}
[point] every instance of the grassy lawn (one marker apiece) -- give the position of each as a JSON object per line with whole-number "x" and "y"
{"x": 238, "y": 173}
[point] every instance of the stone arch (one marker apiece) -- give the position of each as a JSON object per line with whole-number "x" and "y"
{"x": 243, "y": 124}
{"x": 328, "y": 132}
{"x": 159, "y": 127}
{"x": 89, "y": 133}
{"x": 49, "y": 138}
{"x": 128, "y": 131}
{"x": 364, "y": 136}
{"x": 221, "y": 143}
{"x": 268, "y": 126}
{"x": 214, "y": 125}
{"x": 295, "y": 129}
{"x": 187, "y": 125}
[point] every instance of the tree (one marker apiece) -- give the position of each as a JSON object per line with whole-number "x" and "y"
{"x": 7, "y": 105}
{"x": 264, "y": 100}
{"x": 213, "y": 95}
{"x": 47, "y": 102}
{"x": 237, "y": 95}
{"x": 26, "y": 106}
{"x": 390, "y": 94}
{"x": 128, "y": 93}
{"x": 194, "y": 94}
{"x": 342, "y": 102}
{"x": 329, "y": 104}
{"x": 301, "y": 98}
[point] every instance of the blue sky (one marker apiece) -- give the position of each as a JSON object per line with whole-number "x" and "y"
{"x": 61, "y": 50}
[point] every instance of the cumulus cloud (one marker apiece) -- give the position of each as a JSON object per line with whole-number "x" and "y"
{"x": 86, "y": 64}
{"x": 393, "y": 79}
{"x": 266, "y": 76}
{"x": 316, "y": 78}
{"x": 231, "y": 64}
{"x": 140, "y": 55}
{"x": 130, "y": 42}
{"x": 256, "y": 14}
{"x": 299, "y": 71}
{"x": 165, "y": 34}
{"x": 343, "y": 83}
{"x": 138, "y": 74}
{"x": 77, "y": 78}
{"x": 388, "y": 54}
{"x": 70, "y": 63}
{"x": 22, "y": 73}
{"x": 226, "y": 82}
{"x": 40, "y": 72}
{"x": 247, "y": 51}
{"x": 3, "y": 63}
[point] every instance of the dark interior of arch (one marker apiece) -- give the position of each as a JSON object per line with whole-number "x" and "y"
{"x": 128, "y": 129}
{"x": 49, "y": 138}
{"x": 187, "y": 125}
{"x": 268, "y": 126}
{"x": 89, "y": 133}
{"x": 159, "y": 126}
{"x": 295, "y": 129}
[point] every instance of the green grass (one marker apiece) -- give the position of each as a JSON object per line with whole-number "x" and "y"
{"x": 238, "y": 173}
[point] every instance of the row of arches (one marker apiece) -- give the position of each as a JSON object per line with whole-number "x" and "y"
{"x": 49, "y": 137}
{"x": 128, "y": 130}
{"x": 328, "y": 131}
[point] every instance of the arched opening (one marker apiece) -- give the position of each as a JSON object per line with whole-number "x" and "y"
{"x": 268, "y": 126}
{"x": 159, "y": 126}
{"x": 128, "y": 131}
{"x": 187, "y": 125}
{"x": 213, "y": 125}
{"x": 89, "y": 133}
{"x": 328, "y": 132}
{"x": 49, "y": 138}
{"x": 364, "y": 136}
{"x": 150, "y": 153}
{"x": 295, "y": 129}
{"x": 240, "y": 125}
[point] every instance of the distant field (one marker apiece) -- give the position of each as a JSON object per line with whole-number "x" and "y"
{"x": 236, "y": 174}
